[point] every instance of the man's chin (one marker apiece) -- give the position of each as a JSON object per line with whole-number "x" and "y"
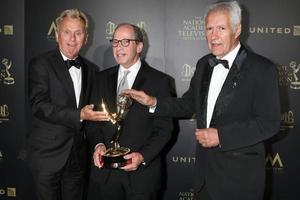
{"x": 217, "y": 54}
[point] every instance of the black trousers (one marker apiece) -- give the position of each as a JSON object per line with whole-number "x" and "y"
{"x": 65, "y": 184}
{"x": 117, "y": 187}
{"x": 202, "y": 194}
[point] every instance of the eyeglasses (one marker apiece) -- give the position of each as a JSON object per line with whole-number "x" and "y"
{"x": 124, "y": 42}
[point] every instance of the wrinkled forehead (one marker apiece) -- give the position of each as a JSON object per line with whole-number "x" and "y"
{"x": 124, "y": 31}
{"x": 218, "y": 18}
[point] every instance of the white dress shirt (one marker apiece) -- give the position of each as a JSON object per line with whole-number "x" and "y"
{"x": 218, "y": 77}
{"x": 134, "y": 69}
{"x": 75, "y": 74}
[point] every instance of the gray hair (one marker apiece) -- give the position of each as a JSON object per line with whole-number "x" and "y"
{"x": 232, "y": 7}
{"x": 73, "y": 13}
{"x": 138, "y": 34}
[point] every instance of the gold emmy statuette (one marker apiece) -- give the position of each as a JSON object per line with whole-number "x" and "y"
{"x": 113, "y": 157}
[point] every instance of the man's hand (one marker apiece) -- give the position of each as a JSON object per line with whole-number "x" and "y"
{"x": 141, "y": 97}
{"x": 87, "y": 113}
{"x": 207, "y": 137}
{"x": 97, "y": 156}
{"x": 134, "y": 161}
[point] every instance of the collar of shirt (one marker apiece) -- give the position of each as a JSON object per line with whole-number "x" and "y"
{"x": 75, "y": 74}
{"x": 66, "y": 58}
{"x": 231, "y": 55}
{"x": 134, "y": 69}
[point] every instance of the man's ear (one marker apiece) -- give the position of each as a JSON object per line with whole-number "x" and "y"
{"x": 140, "y": 47}
{"x": 86, "y": 38}
{"x": 238, "y": 31}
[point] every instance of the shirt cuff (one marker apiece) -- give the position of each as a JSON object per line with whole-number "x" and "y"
{"x": 152, "y": 109}
{"x": 97, "y": 145}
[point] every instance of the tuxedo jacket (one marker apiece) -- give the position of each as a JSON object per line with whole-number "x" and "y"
{"x": 246, "y": 113}
{"x": 141, "y": 132}
{"x": 56, "y": 125}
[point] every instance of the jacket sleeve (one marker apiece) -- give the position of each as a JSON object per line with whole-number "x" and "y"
{"x": 43, "y": 106}
{"x": 263, "y": 119}
{"x": 162, "y": 127}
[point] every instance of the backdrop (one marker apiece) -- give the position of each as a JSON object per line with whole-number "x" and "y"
{"x": 175, "y": 30}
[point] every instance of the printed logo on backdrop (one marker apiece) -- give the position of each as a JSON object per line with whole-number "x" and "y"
{"x": 1, "y": 156}
{"x": 4, "y": 114}
{"x": 186, "y": 195}
{"x": 7, "y": 30}
{"x": 287, "y": 120}
{"x": 192, "y": 29}
{"x": 187, "y": 72}
{"x": 296, "y": 31}
{"x": 184, "y": 159}
{"x": 110, "y": 28}
{"x": 295, "y": 83}
{"x": 289, "y": 75}
{"x": 274, "y": 163}
{"x": 51, "y": 31}
{"x": 8, "y": 192}
{"x": 5, "y": 74}
{"x": 293, "y": 30}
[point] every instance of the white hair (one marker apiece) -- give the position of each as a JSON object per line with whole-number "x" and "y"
{"x": 232, "y": 7}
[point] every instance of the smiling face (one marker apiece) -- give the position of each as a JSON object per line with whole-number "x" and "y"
{"x": 220, "y": 35}
{"x": 71, "y": 36}
{"x": 126, "y": 56}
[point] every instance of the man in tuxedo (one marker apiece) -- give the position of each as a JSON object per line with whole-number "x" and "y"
{"x": 234, "y": 93}
{"x": 146, "y": 136}
{"x": 60, "y": 83}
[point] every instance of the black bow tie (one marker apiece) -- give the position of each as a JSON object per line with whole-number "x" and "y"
{"x": 214, "y": 61}
{"x": 73, "y": 63}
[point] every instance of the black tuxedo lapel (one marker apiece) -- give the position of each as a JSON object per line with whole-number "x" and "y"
{"x": 110, "y": 95}
{"x": 140, "y": 78}
{"x": 229, "y": 87}
{"x": 204, "y": 92}
{"x": 84, "y": 84}
{"x": 63, "y": 74}
{"x": 111, "y": 92}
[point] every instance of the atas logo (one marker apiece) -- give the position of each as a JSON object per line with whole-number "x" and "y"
{"x": 274, "y": 162}
{"x": 186, "y": 195}
{"x": 7, "y": 30}
{"x": 287, "y": 120}
{"x": 296, "y": 31}
{"x": 4, "y": 114}
{"x": 9, "y": 192}
{"x": 192, "y": 29}
{"x": 5, "y": 75}
{"x": 292, "y": 30}
{"x": 295, "y": 84}
{"x": 187, "y": 72}
{"x": 110, "y": 28}
{"x": 51, "y": 31}
{"x": 289, "y": 75}
{"x": 184, "y": 159}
